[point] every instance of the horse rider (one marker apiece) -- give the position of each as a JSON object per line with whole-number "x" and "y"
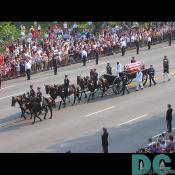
{"x": 66, "y": 85}
{"x": 39, "y": 96}
{"x": 91, "y": 74}
{"x": 32, "y": 92}
{"x": 95, "y": 78}
{"x": 109, "y": 69}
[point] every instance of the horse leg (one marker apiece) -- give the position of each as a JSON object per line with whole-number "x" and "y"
{"x": 50, "y": 108}
{"x": 34, "y": 118}
{"x": 85, "y": 94}
{"x": 81, "y": 95}
{"x": 93, "y": 95}
{"x": 74, "y": 100}
{"x": 46, "y": 111}
{"x": 38, "y": 117}
{"x": 60, "y": 104}
{"x": 79, "y": 99}
{"x": 89, "y": 96}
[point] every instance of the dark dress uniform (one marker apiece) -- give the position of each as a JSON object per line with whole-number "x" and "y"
{"x": 66, "y": 86}
{"x": 32, "y": 93}
{"x": 151, "y": 76}
{"x": 124, "y": 84}
{"x": 96, "y": 56}
{"x": 137, "y": 46}
{"x": 109, "y": 69}
{"x": 55, "y": 64}
{"x": 95, "y": 78}
{"x": 165, "y": 65}
{"x": 91, "y": 74}
{"x": 104, "y": 139}
{"x": 133, "y": 60}
{"x": 169, "y": 119}
{"x": 169, "y": 38}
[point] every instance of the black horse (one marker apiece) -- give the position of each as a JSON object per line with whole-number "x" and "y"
{"x": 20, "y": 99}
{"x": 82, "y": 82}
{"x": 36, "y": 108}
{"x": 51, "y": 90}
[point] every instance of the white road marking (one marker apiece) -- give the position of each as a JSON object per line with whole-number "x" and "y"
{"x": 160, "y": 133}
{"x": 11, "y": 95}
{"x": 100, "y": 111}
{"x": 133, "y": 119}
{"x": 167, "y": 47}
{"x": 6, "y": 87}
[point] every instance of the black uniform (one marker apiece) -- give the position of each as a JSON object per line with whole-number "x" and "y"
{"x": 96, "y": 56}
{"x": 165, "y": 65}
{"x": 109, "y": 69}
{"x": 133, "y": 61}
{"x": 55, "y": 64}
{"x": 151, "y": 75}
{"x": 124, "y": 84}
{"x": 123, "y": 50}
{"x": 169, "y": 38}
{"x": 104, "y": 139}
{"x": 66, "y": 86}
{"x": 137, "y": 46}
{"x": 95, "y": 78}
{"x": 32, "y": 93}
{"x": 91, "y": 74}
{"x": 39, "y": 96}
{"x": 169, "y": 119}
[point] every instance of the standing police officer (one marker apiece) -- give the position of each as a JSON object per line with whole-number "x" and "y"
{"x": 169, "y": 37}
{"x": 149, "y": 42}
{"x": 137, "y": 45}
{"x": 166, "y": 68}
{"x": 124, "y": 84}
{"x": 96, "y": 56}
{"x": 109, "y": 69}
{"x": 151, "y": 75}
{"x": 55, "y": 64}
{"x": 28, "y": 69}
{"x": 66, "y": 86}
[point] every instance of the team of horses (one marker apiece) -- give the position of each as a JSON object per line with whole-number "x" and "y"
{"x": 32, "y": 106}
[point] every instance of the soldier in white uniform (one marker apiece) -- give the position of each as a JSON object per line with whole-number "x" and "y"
{"x": 139, "y": 76}
{"x": 118, "y": 68}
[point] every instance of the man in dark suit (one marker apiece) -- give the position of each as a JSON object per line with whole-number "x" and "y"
{"x": 169, "y": 118}
{"x": 104, "y": 138}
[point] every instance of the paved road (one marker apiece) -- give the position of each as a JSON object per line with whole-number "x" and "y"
{"x": 131, "y": 119}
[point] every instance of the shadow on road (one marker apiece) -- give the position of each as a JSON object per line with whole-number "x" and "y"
{"x": 124, "y": 139}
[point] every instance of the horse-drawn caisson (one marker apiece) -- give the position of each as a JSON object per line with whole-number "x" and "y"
{"x": 130, "y": 70}
{"x": 85, "y": 85}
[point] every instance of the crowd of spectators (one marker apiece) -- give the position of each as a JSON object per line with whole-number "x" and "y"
{"x": 164, "y": 143}
{"x": 69, "y": 42}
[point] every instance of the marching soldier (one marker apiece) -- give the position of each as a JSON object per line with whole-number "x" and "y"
{"x": 66, "y": 85}
{"x": 133, "y": 60}
{"x": 166, "y": 68}
{"x": 151, "y": 75}
{"x": 109, "y": 69}
{"x": 124, "y": 84}
{"x": 32, "y": 92}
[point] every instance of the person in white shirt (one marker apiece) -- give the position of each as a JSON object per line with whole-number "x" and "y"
{"x": 84, "y": 56}
{"x": 118, "y": 68}
{"x": 28, "y": 69}
{"x": 139, "y": 76}
{"x": 123, "y": 46}
{"x": 149, "y": 42}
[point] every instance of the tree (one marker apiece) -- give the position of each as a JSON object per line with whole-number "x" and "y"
{"x": 8, "y": 33}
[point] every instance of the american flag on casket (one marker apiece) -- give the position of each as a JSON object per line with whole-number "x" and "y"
{"x": 134, "y": 66}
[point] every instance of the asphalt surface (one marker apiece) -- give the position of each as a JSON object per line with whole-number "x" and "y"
{"x": 131, "y": 119}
